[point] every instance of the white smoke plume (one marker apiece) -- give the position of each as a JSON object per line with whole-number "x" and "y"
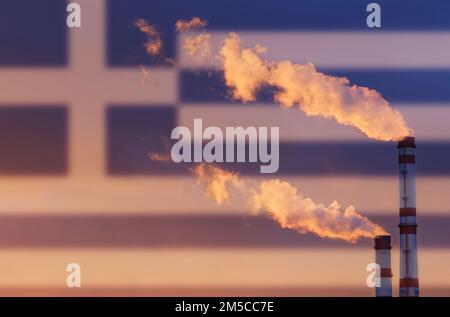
{"x": 284, "y": 203}
{"x": 315, "y": 93}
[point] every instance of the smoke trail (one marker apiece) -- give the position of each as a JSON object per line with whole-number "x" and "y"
{"x": 197, "y": 45}
{"x": 315, "y": 93}
{"x": 145, "y": 74}
{"x": 193, "y": 24}
{"x": 154, "y": 44}
{"x": 159, "y": 157}
{"x": 162, "y": 155}
{"x": 217, "y": 182}
{"x": 285, "y": 204}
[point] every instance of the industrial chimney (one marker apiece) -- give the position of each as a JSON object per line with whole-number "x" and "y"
{"x": 409, "y": 282}
{"x": 383, "y": 259}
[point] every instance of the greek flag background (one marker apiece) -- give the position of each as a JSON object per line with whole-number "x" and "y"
{"x": 77, "y": 123}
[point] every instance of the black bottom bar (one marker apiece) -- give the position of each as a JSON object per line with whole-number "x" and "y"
{"x": 207, "y": 306}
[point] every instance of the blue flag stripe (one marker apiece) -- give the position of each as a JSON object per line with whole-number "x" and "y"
{"x": 36, "y": 141}
{"x": 134, "y": 133}
{"x": 34, "y": 33}
{"x": 33, "y": 140}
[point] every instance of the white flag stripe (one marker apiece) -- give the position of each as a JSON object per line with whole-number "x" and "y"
{"x": 37, "y": 87}
{"x": 150, "y": 195}
{"x": 341, "y": 49}
{"x": 430, "y": 123}
{"x": 264, "y": 268}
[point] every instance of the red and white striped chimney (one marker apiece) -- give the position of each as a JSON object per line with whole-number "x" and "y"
{"x": 409, "y": 281}
{"x": 383, "y": 259}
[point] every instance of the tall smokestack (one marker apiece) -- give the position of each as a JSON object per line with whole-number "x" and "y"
{"x": 409, "y": 282}
{"x": 383, "y": 259}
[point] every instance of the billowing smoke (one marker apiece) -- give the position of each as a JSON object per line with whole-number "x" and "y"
{"x": 284, "y": 203}
{"x": 315, "y": 93}
{"x": 154, "y": 44}
{"x": 301, "y": 85}
{"x": 197, "y": 44}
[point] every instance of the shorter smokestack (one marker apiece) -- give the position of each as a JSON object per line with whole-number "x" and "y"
{"x": 383, "y": 259}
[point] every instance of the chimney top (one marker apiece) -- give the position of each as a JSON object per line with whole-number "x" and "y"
{"x": 382, "y": 242}
{"x": 409, "y": 141}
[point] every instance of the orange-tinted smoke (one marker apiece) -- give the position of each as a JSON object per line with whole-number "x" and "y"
{"x": 154, "y": 44}
{"x": 194, "y": 24}
{"x": 285, "y": 204}
{"x": 159, "y": 157}
{"x": 218, "y": 182}
{"x": 196, "y": 45}
{"x": 315, "y": 93}
{"x": 145, "y": 73}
